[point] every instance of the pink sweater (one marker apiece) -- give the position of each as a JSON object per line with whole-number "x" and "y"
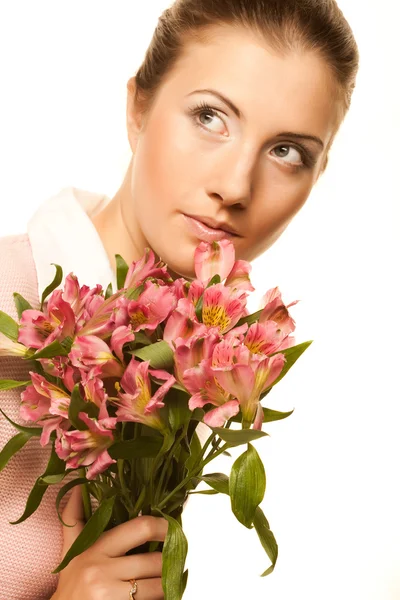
{"x": 30, "y": 550}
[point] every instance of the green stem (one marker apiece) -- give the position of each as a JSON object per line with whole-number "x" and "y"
{"x": 139, "y": 503}
{"x": 87, "y": 506}
{"x": 167, "y": 463}
{"x": 192, "y": 474}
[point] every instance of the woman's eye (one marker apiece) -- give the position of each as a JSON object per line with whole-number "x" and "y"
{"x": 204, "y": 116}
{"x": 290, "y": 152}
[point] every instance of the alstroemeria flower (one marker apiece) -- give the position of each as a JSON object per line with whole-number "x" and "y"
{"x": 275, "y": 310}
{"x": 245, "y": 375}
{"x": 191, "y": 351}
{"x": 266, "y": 338}
{"x": 145, "y": 268}
{"x": 120, "y": 336}
{"x": 60, "y": 366}
{"x": 239, "y": 277}
{"x": 201, "y": 382}
{"x": 39, "y": 329}
{"x": 223, "y": 307}
{"x": 10, "y": 348}
{"x": 136, "y": 402}
{"x": 182, "y": 323}
{"x": 214, "y": 258}
{"x": 103, "y": 316}
{"x": 152, "y": 307}
{"x": 44, "y": 403}
{"x": 88, "y": 351}
{"x": 79, "y": 298}
{"x": 89, "y": 447}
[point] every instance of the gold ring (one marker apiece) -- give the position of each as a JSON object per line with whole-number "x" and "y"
{"x": 133, "y": 589}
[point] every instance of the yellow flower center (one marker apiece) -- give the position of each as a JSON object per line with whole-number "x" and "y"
{"x": 215, "y": 316}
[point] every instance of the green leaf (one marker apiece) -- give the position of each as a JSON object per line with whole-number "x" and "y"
{"x": 267, "y": 539}
{"x": 173, "y": 559}
{"x": 135, "y": 292}
{"x": 145, "y": 446}
{"x": 21, "y": 304}
{"x": 247, "y": 484}
{"x": 291, "y": 355}
{"x": 55, "y": 283}
{"x": 109, "y": 291}
{"x": 195, "y": 451}
{"x": 210, "y": 492}
{"x": 236, "y": 437}
{"x": 63, "y": 491}
{"x": 160, "y": 355}
{"x": 8, "y": 326}
{"x": 179, "y": 412}
{"x": 77, "y": 405}
{"x": 218, "y": 481}
{"x": 9, "y": 384}
{"x": 53, "y": 349}
{"x": 90, "y": 533}
{"x": 12, "y": 447}
{"x": 214, "y": 280}
{"x": 274, "y": 415}
{"x": 269, "y": 415}
{"x": 54, "y": 466}
{"x": 32, "y": 431}
{"x": 141, "y": 338}
{"x": 184, "y": 581}
{"x": 250, "y": 319}
{"x": 122, "y": 271}
{"x": 199, "y": 309}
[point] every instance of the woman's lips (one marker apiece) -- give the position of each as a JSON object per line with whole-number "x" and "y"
{"x": 205, "y": 233}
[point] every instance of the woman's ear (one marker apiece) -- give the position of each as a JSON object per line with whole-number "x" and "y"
{"x": 133, "y": 115}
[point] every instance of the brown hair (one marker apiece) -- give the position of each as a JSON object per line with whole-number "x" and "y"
{"x": 285, "y": 25}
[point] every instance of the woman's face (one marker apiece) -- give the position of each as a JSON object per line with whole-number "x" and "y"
{"x": 253, "y": 171}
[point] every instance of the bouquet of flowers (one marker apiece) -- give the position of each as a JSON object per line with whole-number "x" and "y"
{"x": 120, "y": 381}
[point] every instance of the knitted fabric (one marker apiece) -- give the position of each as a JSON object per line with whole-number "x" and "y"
{"x": 30, "y": 550}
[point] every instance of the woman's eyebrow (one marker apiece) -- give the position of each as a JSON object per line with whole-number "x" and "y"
{"x": 239, "y": 114}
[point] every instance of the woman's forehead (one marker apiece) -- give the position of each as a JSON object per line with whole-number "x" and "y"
{"x": 297, "y": 89}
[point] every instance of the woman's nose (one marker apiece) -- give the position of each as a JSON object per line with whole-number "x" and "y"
{"x": 233, "y": 182}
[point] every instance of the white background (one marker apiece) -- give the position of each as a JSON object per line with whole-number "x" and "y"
{"x": 332, "y": 468}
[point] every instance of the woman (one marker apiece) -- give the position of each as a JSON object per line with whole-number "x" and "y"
{"x": 243, "y": 157}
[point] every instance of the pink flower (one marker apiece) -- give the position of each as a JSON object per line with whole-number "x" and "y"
{"x": 222, "y": 307}
{"x": 245, "y": 375}
{"x": 265, "y": 338}
{"x": 201, "y": 382}
{"x": 136, "y": 402}
{"x": 275, "y": 310}
{"x": 120, "y": 336}
{"x": 103, "y": 316}
{"x": 59, "y": 366}
{"x": 191, "y": 351}
{"x": 88, "y": 351}
{"x": 239, "y": 277}
{"x": 39, "y": 329}
{"x": 214, "y": 258}
{"x": 152, "y": 307}
{"x": 219, "y": 258}
{"x": 46, "y": 404}
{"x": 182, "y": 323}
{"x": 145, "y": 268}
{"x": 89, "y": 447}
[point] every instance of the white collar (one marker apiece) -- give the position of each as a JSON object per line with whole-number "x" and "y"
{"x": 61, "y": 232}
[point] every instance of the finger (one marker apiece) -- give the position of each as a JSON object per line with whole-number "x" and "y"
{"x": 73, "y": 514}
{"x": 140, "y": 566}
{"x": 131, "y": 534}
{"x": 147, "y": 589}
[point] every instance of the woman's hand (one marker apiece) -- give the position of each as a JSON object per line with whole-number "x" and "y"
{"x": 103, "y": 571}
